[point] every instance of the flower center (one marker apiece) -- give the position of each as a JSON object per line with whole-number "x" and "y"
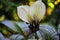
{"x": 34, "y": 27}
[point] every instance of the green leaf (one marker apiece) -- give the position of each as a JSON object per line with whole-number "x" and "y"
{"x": 47, "y": 36}
{"x": 20, "y": 30}
{"x": 36, "y": 37}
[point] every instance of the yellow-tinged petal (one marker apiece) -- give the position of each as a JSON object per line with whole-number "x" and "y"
{"x": 29, "y": 17}
{"x": 37, "y": 10}
{"x": 23, "y": 12}
{"x": 33, "y": 13}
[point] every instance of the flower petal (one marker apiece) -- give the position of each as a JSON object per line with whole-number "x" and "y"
{"x": 50, "y": 30}
{"x": 17, "y": 37}
{"x": 22, "y": 12}
{"x": 37, "y": 10}
{"x": 1, "y": 36}
{"x": 11, "y": 25}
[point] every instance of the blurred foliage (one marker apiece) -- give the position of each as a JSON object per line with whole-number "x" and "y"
{"x": 6, "y": 31}
{"x": 8, "y": 8}
{"x": 52, "y": 11}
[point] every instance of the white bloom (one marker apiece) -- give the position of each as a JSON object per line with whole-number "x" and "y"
{"x": 34, "y": 12}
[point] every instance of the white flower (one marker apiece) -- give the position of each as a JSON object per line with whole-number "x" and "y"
{"x": 35, "y": 12}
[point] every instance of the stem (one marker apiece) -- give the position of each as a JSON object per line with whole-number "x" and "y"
{"x": 36, "y": 37}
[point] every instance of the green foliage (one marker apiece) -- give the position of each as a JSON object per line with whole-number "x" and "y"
{"x": 8, "y": 6}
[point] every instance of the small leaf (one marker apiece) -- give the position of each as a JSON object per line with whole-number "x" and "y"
{"x": 47, "y": 36}
{"x": 36, "y": 36}
{"x": 20, "y": 30}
